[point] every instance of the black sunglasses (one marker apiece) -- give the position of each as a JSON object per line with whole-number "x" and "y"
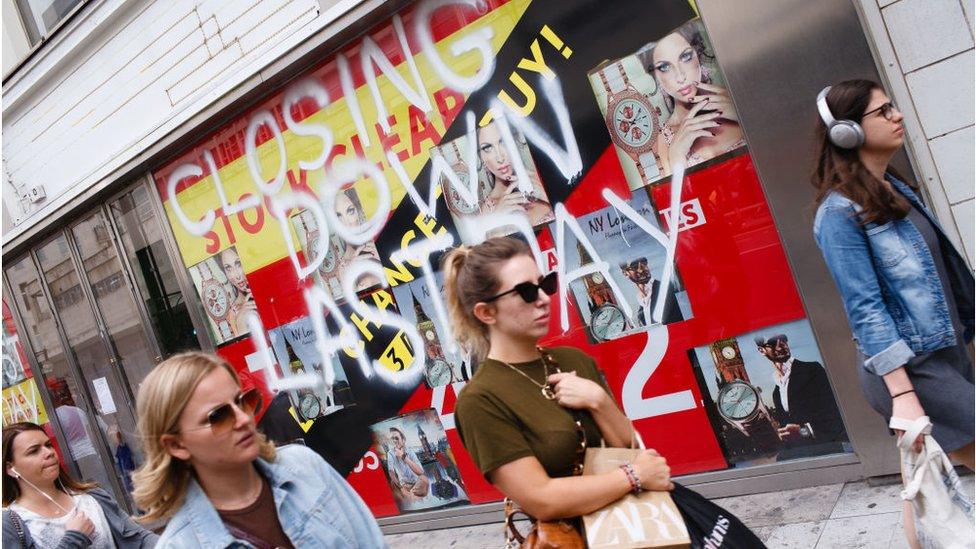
{"x": 529, "y": 291}
{"x": 886, "y": 110}
{"x": 221, "y": 419}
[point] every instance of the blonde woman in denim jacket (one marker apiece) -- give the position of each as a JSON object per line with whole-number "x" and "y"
{"x": 220, "y": 483}
{"x": 907, "y": 291}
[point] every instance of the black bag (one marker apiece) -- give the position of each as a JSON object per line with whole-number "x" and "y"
{"x": 710, "y": 526}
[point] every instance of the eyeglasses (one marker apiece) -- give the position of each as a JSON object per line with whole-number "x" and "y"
{"x": 221, "y": 419}
{"x": 529, "y": 291}
{"x": 887, "y": 111}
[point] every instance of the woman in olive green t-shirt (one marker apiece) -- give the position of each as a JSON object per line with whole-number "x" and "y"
{"x": 516, "y": 415}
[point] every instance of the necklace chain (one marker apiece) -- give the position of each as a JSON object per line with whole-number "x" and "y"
{"x": 546, "y": 387}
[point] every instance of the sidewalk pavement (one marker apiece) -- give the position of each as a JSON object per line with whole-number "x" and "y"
{"x": 852, "y": 515}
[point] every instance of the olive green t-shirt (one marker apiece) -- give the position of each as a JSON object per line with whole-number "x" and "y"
{"x": 501, "y": 416}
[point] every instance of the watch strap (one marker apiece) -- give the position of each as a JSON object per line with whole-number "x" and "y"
{"x": 616, "y": 78}
{"x": 224, "y": 327}
{"x": 647, "y": 166}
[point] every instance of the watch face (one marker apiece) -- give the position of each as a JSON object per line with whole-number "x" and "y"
{"x": 737, "y": 401}
{"x": 728, "y": 352}
{"x": 331, "y": 258}
{"x": 632, "y": 122}
{"x": 455, "y": 202}
{"x": 215, "y": 299}
{"x": 438, "y": 373}
{"x": 310, "y": 406}
{"x": 607, "y": 322}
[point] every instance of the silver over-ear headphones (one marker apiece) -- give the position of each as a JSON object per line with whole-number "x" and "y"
{"x": 846, "y": 134}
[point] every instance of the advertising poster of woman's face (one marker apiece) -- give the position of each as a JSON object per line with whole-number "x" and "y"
{"x": 225, "y": 293}
{"x": 703, "y": 122}
{"x": 338, "y": 253}
{"x": 498, "y": 187}
{"x": 677, "y": 80}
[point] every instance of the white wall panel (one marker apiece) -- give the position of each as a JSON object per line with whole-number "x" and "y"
{"x": 124, "y": 73}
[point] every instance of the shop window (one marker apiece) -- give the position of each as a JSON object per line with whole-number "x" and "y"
{"x": 40, "y": 17}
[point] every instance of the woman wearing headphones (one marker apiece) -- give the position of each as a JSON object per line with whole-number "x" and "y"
{"x": 45, "y": 507}
{"x": 907, "y": 291}
{"x": 521, "y": 417}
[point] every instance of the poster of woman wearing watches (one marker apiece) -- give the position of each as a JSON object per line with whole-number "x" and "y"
{"x": 225, "y": 293}
{"x": 499, "y": 189}
{"x": 666, "y": 103}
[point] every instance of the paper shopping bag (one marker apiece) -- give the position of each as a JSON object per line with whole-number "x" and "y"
{"x": 648, "y": 519}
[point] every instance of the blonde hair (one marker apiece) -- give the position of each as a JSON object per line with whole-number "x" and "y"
{"x": 162, "y": 480}
{"x": 470, "y": 277}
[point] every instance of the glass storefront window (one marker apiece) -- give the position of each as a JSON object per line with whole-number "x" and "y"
{"x": 115, "y": 413}
{"x": 142, "y": 241}
{"x": 70, "y": 400}
{"x": 110, "y": 289}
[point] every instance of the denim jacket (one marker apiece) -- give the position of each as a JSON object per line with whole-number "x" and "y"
{"x": 890, "y": 285}
{"x": 316, "y": 508}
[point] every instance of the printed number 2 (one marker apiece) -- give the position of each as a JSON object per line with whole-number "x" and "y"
{"x": 635, "y": 405}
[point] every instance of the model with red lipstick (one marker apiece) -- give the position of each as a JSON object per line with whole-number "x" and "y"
{"x": 243, "y": 301}
{"x": 703, "y": 122}
{"x": 517, "y": 416}
{"x": 219, "y": 482}
{"x": 503, "y": 194}
{"x": 45, "y": 507}
{"x": 908, "y": 293}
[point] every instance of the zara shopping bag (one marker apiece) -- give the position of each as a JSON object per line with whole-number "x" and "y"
{"x": 943, "y": 512}
{"x": 648, "y": 519}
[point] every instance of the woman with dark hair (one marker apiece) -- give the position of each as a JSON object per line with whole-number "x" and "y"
{"x": 703, "y": 122}
{"x": 907, "y": 291}
{"x": 523, "y": 414}
{"x": 45, "y": 507}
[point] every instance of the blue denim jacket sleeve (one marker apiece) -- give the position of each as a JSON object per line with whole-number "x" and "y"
{"x": 367, "y": 530}
{"x": 848, "y": 255}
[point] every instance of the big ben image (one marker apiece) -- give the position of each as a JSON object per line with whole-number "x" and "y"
{"x": 748, "y": 429}
{"x": 438, "y": 370}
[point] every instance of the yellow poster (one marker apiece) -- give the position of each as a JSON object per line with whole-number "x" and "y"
{"x": 22, "y": 402}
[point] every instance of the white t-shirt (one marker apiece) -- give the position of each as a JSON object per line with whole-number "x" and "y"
{"x": 47, "y": 532}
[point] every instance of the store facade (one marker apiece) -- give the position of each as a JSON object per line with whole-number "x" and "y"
{"x": 300, "y": 235}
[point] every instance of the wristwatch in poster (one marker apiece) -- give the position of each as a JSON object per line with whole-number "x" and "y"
{"x": 331, "y": 260}
{"x": 216, "y": 301}
{"x": 740, "y": 404}
{"x": 631, "y": 119}
{"x": 309, "y": 406}
{"x": 607, "y": 322}
{"x": 455, "y": 202}
{"x": 439, "y": 373}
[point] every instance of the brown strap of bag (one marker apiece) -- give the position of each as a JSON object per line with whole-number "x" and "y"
{"x": 545, "y": 534}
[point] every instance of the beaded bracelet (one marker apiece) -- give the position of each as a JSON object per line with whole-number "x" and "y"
{"x": 635, "y": 485}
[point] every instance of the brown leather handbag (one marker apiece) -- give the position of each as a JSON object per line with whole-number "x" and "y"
{"x": 543, "y": 534}
{"x": 548, "y": 534}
